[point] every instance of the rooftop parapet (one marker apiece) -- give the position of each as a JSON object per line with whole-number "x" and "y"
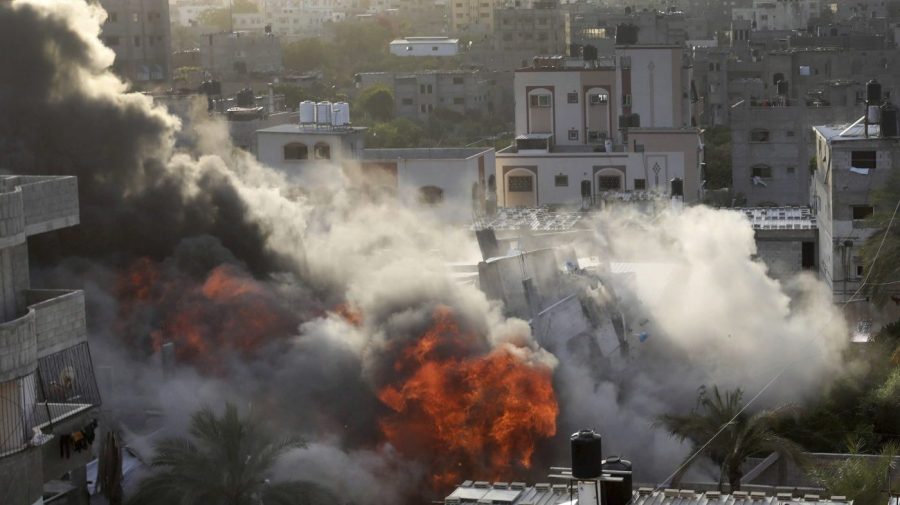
{"x": 36, "y": 204}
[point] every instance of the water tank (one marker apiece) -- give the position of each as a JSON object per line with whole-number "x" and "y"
{"x": 616, "y": 493}
{"x": 587, "y": 455}
{"x": 677, "y": 187}
{"x": 608, "y": 145}
{"x": 589, "y": 53}
{"x": 307, "y": 112}
{"x": 889, "y": 118}
{"x": 873, "y": 92}
{"x": 340, "y": 114}
{"x": 626, "y": 34}
{"x": 245, "y": 98}
{"x": 323, "y": 113}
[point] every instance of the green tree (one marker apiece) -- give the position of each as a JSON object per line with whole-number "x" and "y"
{"x": 400, "y": 132}
{"x": 217, "y": 18}
{"x": 863, "y": 479}
{"x": 377, "y": 102}
{"x": 884, "y": 273}
{"x": 717, "y": 155}
{"x": 226, "y": 460}
{"x": 747, "y": 435}
{"x": 305, "y": 55}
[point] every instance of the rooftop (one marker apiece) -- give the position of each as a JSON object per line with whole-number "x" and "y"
{"x": 312, "y": 129}
{"x": 539, "y": 219}
{"x": 846, "y": 132}
{"x": 424, "y": 153}
{"x": 780, "y": 218}
{"x": 424, "y": 40}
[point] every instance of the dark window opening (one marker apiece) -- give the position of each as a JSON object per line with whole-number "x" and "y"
{"x": 640, "y": 184}
{"x": 323, "y": 151}
{"x": 572, "y": 97}
{"x": 561, "y": 181}
{"x": 759, "y": 136}
{"x": 861, "y": 212}
{"x": 609, "y": 183}
{"x": 521, "y": 184}
{"x": 431, "y": 195}
{"x": 808, "y": 255}
{"x": 296, "y": 151}
{"x": 762, "y": 171}
{"x": 863, "y": 159}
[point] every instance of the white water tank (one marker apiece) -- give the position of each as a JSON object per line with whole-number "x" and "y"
{"x": 340, "y": 114}
{"x": 307, "y": 112}
{"x": 323, "y": 114}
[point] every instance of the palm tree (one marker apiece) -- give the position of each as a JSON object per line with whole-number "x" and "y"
{"x": 884, "y": 273}
{"x": 865, "y": 480}
{"x": 225, "y": 461}
{"x": 744, "y": 435}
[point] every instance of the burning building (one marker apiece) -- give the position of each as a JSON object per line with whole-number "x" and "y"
{"x": 46, "y": 375}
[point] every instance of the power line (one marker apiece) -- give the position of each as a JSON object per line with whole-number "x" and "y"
{"x": 785, "y": 367}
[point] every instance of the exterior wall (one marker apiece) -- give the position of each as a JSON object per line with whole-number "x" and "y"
{"x": 425, "y": 47}
{"x": 780, "y": 14}
{"x": 59, "y": 319}
{"x": 21, "y": 470}
{"x": 782, "y": 250}
{"x": 138, "y": 32}
{"x": 233, "y": 54}
{"x": 665, "y": 147}
{"x": 345, "y": 147}
{"x": 529, "y": 32}
{"x": 18, "y": 348}
{"x": 243, "y": 133}
{"x": 473, "y": 16}
{"x": 657, "y": 88}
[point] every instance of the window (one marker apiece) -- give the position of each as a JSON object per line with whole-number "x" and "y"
{"x": 323, "y": 151}
{"x": 759, "y": 135}
{"x": 789, "y": 133}
{"x": 521, "y": 184}
{"x": 791, "y": 170}
{"x": 561, "y": 181}
{"x": 609, "y": 183}
{"x": 296, "y": 151}
{"x": 572, "y": 97}
{"x": 434, "y": 48}
{"x": 762, "y": 171}
{"x": 429, "y": 89}
{"x": 421, "y": 89}
{"x": 863, "y": 159}
{"x": 459, "y": 100}
{"x": 113, "y": 17}
{"x": 137, "y": 41}
{"x": 457, "y": 80}
{"x": 573, "y": 134}
{"x": 431, "y": 195}
{"x": 640, "y": 184}
{"x": 540, "y": 100}
{"x": 406, "y": 101}
{"x": 626, "y": 100}
{"x": 861, "y": 212}
{"x": 112, "y": 41}
{"x": 859, "y": 270}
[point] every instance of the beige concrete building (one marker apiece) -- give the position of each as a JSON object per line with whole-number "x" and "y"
{"x": 139, "y": 33}
{"x": 46, "y": 375}
{"x": 473, "y": 16}
{"x": 580, "y": 134}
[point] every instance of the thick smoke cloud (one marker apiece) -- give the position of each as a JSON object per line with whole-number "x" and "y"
{"x": 363, "y": 280}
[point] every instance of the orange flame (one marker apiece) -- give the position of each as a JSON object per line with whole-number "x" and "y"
{"x": 478, "y": 414}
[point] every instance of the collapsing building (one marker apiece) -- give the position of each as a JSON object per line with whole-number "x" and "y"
{"x": 46, "y": 376}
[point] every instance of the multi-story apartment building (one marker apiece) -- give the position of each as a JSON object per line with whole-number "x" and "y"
{"x": 850, "y": 167}
{"x": 139, "y": 33}
{"x": 520, "y": 34}
{"x": 768, "y": 15}
{"x": 473, "y": 16}
{"x": 590, "y": 127}
{"x": 417, "y": 95}
{"x": 47, "y": 381}
{"x": 229, "y": 55}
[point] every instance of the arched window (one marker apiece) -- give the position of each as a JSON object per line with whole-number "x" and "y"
{"x": 610, "y": 179}
{"x": 431, "y": 195}
{"x": 296, "y": 151}
{"x": 323, "y": 151}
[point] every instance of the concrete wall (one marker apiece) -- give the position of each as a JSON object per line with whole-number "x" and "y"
{"x": 504, "y": 279}
{"x": 21, "y": 478}
{"x": 656, "y": 85}
{"x": 59, "y": 319}
{"x": 18, "y": 348}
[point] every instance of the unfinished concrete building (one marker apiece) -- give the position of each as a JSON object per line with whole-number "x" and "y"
{"x": 46, "y": 375}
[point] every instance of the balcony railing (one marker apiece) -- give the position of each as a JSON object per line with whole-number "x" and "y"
{"x": 62, "y": 386}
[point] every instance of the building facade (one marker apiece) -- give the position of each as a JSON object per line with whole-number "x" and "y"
{"x": 138, "y": 32}
{"x": 418, "y": 94}
{"x": 46, "y": 374}
{"x": 521, "y": 34}
{"x": 232, "y": 55}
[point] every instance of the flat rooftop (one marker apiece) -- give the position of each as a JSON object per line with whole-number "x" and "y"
{"x": 425, "y": 40}
{"x": 780, "y": 218}
{"x": 539, "y": 219}
{"x": 846, "y": 132}
{"x": 424, "y": 153}
{"x": 312, "y": 129}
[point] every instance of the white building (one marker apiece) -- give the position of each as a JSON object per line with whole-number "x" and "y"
{"x": 586, "y": 128}
{"x": 425, "y": 46}
{"x": 779, "y": 14}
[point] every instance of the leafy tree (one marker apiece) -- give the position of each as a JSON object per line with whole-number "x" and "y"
{"x": 886, "y": 270}
{"x": 305, "y": 55}
{"x": 865, "y": 480}
{"x": 226, "y": 460}
{"x": 746, "y": 436}
{"x": 717, "y": 155}
{"x": 217, "y": 18}
{"x": 400, "y": 132}
{"x": 377, "y": 102}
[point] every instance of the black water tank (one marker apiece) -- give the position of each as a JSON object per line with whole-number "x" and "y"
{"x": 587, "y": 455}
{"x": 873, "y": 92}
{"x": 589, "y": 53}
{"x": 626, "y": 34}
{"x": 677, "y": 187}
{"x": 245, "y": 98}
{"x": 616, "y": 493}
{"x": 889, "y": 126}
